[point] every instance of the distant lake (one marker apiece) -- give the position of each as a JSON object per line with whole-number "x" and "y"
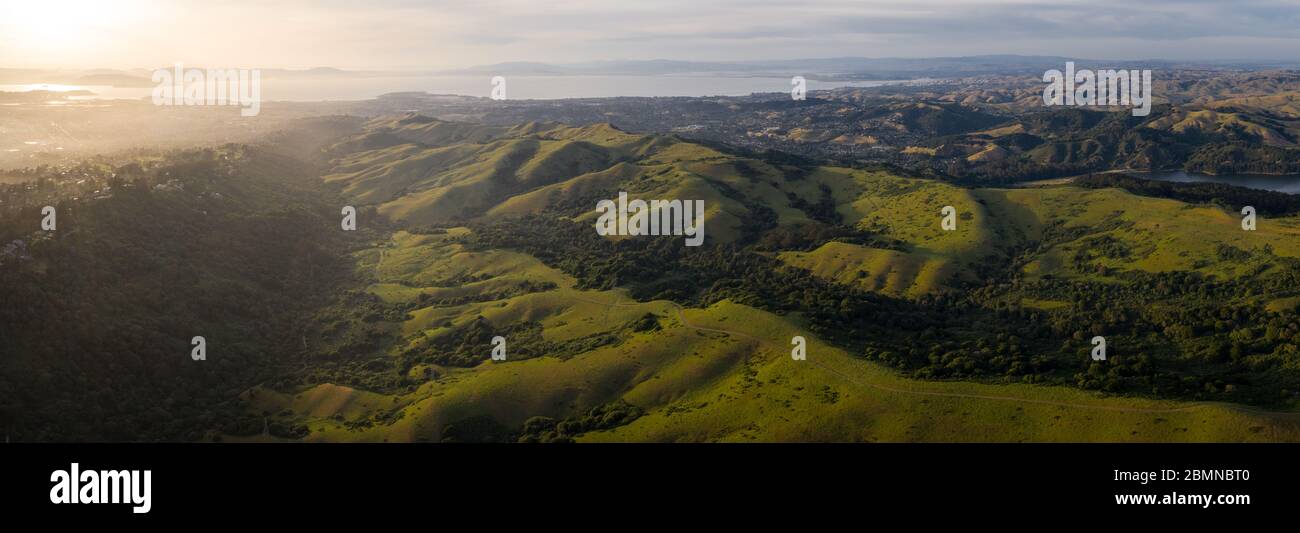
{"x": 1288, "y": 184}
{"x": 518, "y": 87}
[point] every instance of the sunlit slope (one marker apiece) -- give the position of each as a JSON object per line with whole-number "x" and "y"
{"x": 461, "y": 181}
{"x": 1066, "y": 232}
{"x": 432, "y": 171}
{"x": 1089, "y": 233}
{"x": 835, "y": 397}
{"x": 722, "y": 373}
{"x": 424, "y": 131}
{"x": 412, "y": 265}
{"x": 707, "y": 386}
{"x": 582, "y": 186}
{"x": 1209, "y": 121}
{"x": 911, "y": 211}
{"x": 529, "y": 169}
{"x": 1285, "y": 103}
{"x": 385, "y": 174}
{"x": 892, "y": 272}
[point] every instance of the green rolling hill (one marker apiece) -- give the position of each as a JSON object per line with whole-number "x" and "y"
{"x": 471, "y": 232}
{"x": 625, "y": 339}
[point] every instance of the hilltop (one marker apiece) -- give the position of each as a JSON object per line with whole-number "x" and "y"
{"x": 471, "y": 231}
{"x": 630, "y": 339}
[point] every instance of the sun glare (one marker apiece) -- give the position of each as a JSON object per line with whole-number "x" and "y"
{"x": 59, "y": 24}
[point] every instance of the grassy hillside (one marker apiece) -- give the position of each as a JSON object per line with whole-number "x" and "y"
{"x": 924, "y": 258}
{"x": 721, "y": 373}
{"x": 915, "y": 333}
{"x": 424, "y": 171}
{"x": 1246, "y": 134}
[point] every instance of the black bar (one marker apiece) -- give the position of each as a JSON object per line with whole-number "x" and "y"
{"x": 237, "y": 481}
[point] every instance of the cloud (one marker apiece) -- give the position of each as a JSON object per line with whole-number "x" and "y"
{"x": 410, "y": 33}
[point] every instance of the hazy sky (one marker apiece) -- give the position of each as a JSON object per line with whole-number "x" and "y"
{"x": 444, "y": 34}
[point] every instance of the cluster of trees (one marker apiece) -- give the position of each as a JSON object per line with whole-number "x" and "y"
{"x": 1211, "y": 349}
{"x": 1230, "y": 197}
{"x": 523, "y": 287}
{"x": 1177, "y": 334}
{"x": 608, "y": 416}
{"x": 1244, "y": 158}
{"x": 823, "y": 211}
{"x": 663, "y": 269}
{"x": 241, "y": 246}
{"x": 470, "y": 344}
{"x": 251, "y": 425}
{"x": 95, "y": 333}
{"x": 804, "y": 237}
{"x": 543, "y": 429}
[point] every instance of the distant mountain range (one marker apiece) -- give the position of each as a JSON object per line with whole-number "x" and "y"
{"x": 141, "y": 77}
{"x": 834, "y": 68}
{"x": 841, "y": 66}
{"x": 850, "y": 67}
